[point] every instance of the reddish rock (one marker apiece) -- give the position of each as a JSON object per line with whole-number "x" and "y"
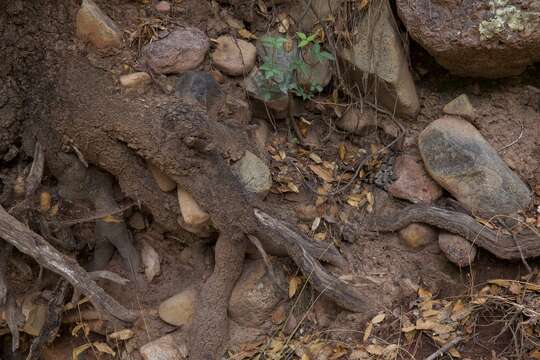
{"x": 163, "y": 6}
{"x": 413, "y": 182}
{"x": 182, "y": 50}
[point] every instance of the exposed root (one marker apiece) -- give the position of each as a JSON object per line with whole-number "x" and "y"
{"x": 504, "y": 246}
{"x": 5, "y": 252}
{"x": 210, "y": 326}
{"x": 32, "y": 244}
{"x": 302, "y": 252}
{"x": 52, "y": 323}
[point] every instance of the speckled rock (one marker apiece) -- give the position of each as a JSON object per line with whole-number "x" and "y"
{"x": 182, "y": 50}
{"x": 255, "y": 295}
{"x": 458, "y": 250}
{"x": 458, "y": 157}
{"x": 253, "y": 173}
{"x": 168, "y": 347}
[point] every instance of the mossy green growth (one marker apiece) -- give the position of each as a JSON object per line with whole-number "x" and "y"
{"x": 505, "y": 16}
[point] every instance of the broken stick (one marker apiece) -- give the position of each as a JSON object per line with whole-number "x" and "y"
{"x": 32, "y": 244}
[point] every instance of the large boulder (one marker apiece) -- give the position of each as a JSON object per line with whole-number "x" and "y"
{"x": 377, "y": 52}
{"x": 476, "y": 38}
{"x": 180, "y": 51}
{"x": 458, "y": 157}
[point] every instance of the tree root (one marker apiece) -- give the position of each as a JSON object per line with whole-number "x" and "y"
{"x": 502, "y": 245}
{"x": 30, "y": 243}
{"x": 306, "y": 256}
{"x": 210, "y": 328}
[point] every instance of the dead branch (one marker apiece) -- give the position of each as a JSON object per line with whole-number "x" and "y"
{"x": 32, "y": 244}
{"x": 321, "y": 279}
{"x": 502, "y": 245}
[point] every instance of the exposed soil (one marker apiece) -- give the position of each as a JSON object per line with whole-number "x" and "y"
{"x": 59, "y": 92}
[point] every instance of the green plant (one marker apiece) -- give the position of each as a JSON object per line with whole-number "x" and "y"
{"x": 280, "y": 77}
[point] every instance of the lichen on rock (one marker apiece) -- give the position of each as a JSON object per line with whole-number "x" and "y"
{"x": 505, "y": 16}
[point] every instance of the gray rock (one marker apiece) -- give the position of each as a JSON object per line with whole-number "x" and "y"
{"x": 201, "y": 86}
{"x": 377, "y": 52}
{"x": 95, "y": 26}
{"x": 253, "y": 173}
{"x": 178, "y": 310}
{"x": 458, "y": 157}
{"x": 460, "y": 106}
{"x": 255, "y": 295}
{"x": 458, "y": 250}
{"x": 182, "y": 50}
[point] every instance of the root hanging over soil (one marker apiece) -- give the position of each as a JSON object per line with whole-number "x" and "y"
{"x": 502, "y": 245}
{"x": 30, "y": 243}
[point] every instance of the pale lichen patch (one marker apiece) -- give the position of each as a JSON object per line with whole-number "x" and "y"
{"x": 505, "y": 16}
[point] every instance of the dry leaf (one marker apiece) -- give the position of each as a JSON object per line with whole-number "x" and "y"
{"x": 368, "y": 330}
{"x": 320, "y": 236}
{"x": 293, "y": 187}
{"x": 424, "y": 294}
{"x": 378, "y": 318}
{"x": 288, "y": 45}
{"x": 44, "y": 201}
{"x": 316, "y": 158}
{"x": 81, "y": 326}
{"x": 375, "y": 349}
{"x": 390, "y": 352}
{"x": 316, "y": 223}
{"x": 362, "y": 4}
{"x": 246, "y": 34}
{"x": 79, "y": 350}
{"x": 322, "y": 173}
{"x": 370, "y": 198}
{"x": 104, "y": 348}
{"x": 294, "y": 285}
{"x": 535, "y": 354}
{"x": 453, "y": 351}
{"x": 124, "y": 334}
{"x": 342, "y": 151}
